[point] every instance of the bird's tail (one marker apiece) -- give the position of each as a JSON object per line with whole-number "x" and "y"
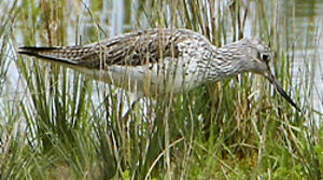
{"x": 69, "y": 55}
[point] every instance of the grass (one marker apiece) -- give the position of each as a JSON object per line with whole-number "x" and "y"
{"x": 60, "y": 125}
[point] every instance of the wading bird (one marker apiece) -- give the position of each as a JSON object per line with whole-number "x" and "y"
{"x": 162, "y": 60}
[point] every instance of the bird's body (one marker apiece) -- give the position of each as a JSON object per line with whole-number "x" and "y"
{"x": 142, "y": 61}
{"x": 161, "y": 60}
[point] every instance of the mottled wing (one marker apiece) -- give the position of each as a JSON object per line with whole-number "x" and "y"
{"x": 131, "y": 49}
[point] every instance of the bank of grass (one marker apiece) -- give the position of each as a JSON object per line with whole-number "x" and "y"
{"x": 69, "y": 127}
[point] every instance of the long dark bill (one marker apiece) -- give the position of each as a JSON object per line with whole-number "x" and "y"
{"x": 281, "y": 91}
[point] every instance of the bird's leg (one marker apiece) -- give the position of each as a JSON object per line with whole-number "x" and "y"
{"x": 117, "y": 130}
{"x": 132, "y": 101}
{"x": 127, "y": 113}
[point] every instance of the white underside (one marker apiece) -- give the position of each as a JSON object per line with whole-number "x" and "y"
{"x": 150, "y": 79}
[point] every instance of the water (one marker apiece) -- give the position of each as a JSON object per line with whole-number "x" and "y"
{"x": 299, "y": 21}
{"x": 305, "y": 20}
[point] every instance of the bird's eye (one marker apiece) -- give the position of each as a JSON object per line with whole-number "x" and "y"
{"x": 265, "y": 57}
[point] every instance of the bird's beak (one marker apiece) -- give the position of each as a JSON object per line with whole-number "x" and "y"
{"x": 281, "y": 91}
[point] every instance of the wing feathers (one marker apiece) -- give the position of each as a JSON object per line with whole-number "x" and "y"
{"x": 131, "y": 49}
{"x": 51, "y": 53}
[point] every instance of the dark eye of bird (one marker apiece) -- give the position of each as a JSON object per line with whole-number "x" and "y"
{"x": 265, "y": 57}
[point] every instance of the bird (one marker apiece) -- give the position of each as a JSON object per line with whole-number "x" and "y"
{"x": 162, "y": 60}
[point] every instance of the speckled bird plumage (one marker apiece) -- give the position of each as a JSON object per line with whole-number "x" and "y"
{"x": 156, "y": 60}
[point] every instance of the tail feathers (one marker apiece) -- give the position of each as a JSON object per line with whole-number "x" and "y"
{"x": 50, "y": 53}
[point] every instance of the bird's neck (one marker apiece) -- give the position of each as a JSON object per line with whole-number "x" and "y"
{"x": 224, "y": 62}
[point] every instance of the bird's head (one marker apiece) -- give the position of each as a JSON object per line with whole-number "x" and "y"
{"x": 250, "y": 55}
{"x": 254, "y": 56}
